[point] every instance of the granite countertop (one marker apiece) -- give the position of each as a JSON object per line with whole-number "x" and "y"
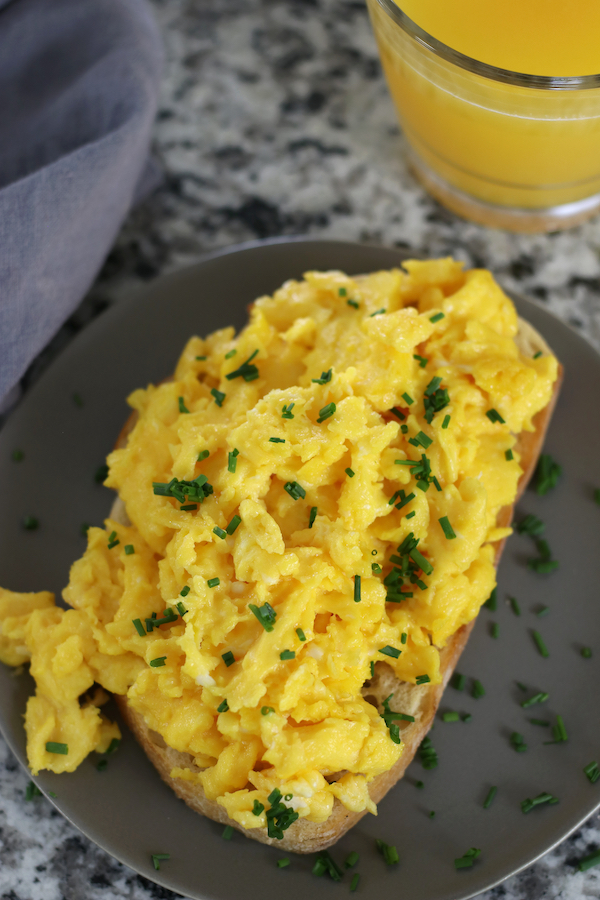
{"x": 275, "y": 120}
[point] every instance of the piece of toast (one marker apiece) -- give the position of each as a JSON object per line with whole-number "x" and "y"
{"x": 420, "y": 701}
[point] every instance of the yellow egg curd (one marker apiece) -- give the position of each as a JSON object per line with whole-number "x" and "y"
{"x": 311, "y": 498}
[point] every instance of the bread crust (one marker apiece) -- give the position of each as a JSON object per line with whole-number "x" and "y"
{"x": 420, "y": 701}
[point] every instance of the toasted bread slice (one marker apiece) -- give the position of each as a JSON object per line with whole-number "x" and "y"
{"x": 420, "y": 701}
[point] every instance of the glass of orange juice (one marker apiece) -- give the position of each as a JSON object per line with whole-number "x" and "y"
{"x": 500, "y": 103}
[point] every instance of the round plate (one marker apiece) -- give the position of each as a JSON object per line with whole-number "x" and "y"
{"x": 128, "y": 811}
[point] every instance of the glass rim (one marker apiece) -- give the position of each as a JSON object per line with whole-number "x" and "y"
{"x": 506, "y": 76}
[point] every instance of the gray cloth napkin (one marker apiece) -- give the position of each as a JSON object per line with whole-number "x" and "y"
{"x": 79, "y": 85}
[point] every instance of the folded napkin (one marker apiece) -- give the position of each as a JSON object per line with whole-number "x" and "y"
{"x": 78, "y": 95}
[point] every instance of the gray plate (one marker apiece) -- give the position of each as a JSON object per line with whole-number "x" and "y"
{"x": 128, "y": 811}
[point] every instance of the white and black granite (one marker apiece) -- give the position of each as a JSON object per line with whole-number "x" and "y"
{"x": 275, "y": 119}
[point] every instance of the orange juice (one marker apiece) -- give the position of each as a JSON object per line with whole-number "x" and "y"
{"x": 520, "y": 142}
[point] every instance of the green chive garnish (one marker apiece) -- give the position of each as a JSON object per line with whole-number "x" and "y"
{"x": 349, "y": 472}
{"x": 265, "y": 614}
{"x": 295, "y": 490}
{"x": 446, "y": 422}
{"x": 494, "y": 416}
{"x": 227, "y": 833}
{"x": 478, "y": 689}
{"x": 539, "y": 643}
{"x": 422, "y": 679}
{"x": 543, "y": 722}
{"x": 201, "y": 357}
{"x": 258, "y": 807}
{"x": 139, "y": 627}
{"x": 326, "y": 412}
{"x": 408, "y": 399}
{"x": 129, "y": 549}
{"x": 596, "y": 492}
{"x": 353, "y": 303}
{"x": 219, "y": 396}
{"x": 437, "y": 317}
{"x": 182, "y": 407}
{"x": 377, "y": 312}
{"x": 515, "y": 606}
{"x": 301, "y": 635}
{"x": 181, "y": 608}
{"x": 586, "y": 652}
{"x": 312, "y": 517}
{"x": 324, "y": 379}
{"x": 53, "y": 747}
{"x": 213, "y": 582}
{"x": 286, "y": 412}
{"x": 276, "y": 440}
{"x": 351, "y": 859}
{"x": 390, "y": 651}
{"x": 230, "y": 354}
{"x": 451, "y": 716}
{"x": 232, "y": 460}
{"x": 389, "y": 853}
{"x": 458, "y": 681}
{"x": 508, "y": 455}
{"x": 248, "y": 371}
{"x": 422, "y": 360}
{"x": 537, "y": 355}
{"x": 540, "y": 697}
{"x": 223, "y": 706}
{"x": 219, "y": 532}
{"x": 466, "y": 861}
{"x": 588, "y": 862}
{"x": 101, "y": 474}
{"x": 592, "y": 771}
{"x": 233, "y": 525}
{"x": 204, "y": 454}
{"x": 265, "y": 710}
{"x": 287, "y": 654}
{"x": 157, "y": 857}
{"x": 527, "y": 805}
{"x": 495, "y": 630}
{"x": 113, "y": 540}
{"x": 158, "y": 662}
{"x": 357, "y": 589}
{"x": 228, "y": 658}
{"x": 30, "y": 523}
{"x": 488, "y": 800}
{"x": 518, "y": 743}
{"x": 547, "y": 474}
{"x": 342, "y": 292}
{"x": 31, "y": 791}
{"x": 447, "y": 528}
{"x": 283, "y": 862}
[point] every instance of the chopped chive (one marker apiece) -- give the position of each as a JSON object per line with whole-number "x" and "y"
{"x": 596, "y": 492}
{"x": 377, "y": 312}
{"x": 451, "y": 716}
{"x": 204, "y": 454}
{"x": 295, "y": 490}
{"x": 542, "y": 722}
{"x": 491, "y": 602}
{"x": 466, "y": 861}
{"x": 219, "y": 532}
{"x": 458, "y": 681}
{"x": 227, "y": 833}
{"x": 389, "y": 853}
{"x": 419, "y": 784}
{"x": 428, "y": 754}
{"x": 276, "y": 440}
{"x": 588, "y": 862}
{"x": 31, "y": 791}
{"x": 287, "y": 654}
{"x": 547, "y": 474}
{"x": 158, "y": 662}
{"x": 258, "y": 807}
{"x": 466, "y": 717}
{"x": 286, "y": 412}
{"x": 351, "y": 859}
{"x": 213, "y": 582}
{"x": 139, "y": 627}
{"x": 189, "y": 507}
{"x": 537, "y": 355}
{"x": 219, "y": 396}
{"x": 398, "y": 413}
{"x": 446, "y": 422}
{"x": 490, "y": 796}
{"x": 592, "y": 771}
{"x": 230, "y": 354}
{"x": 543, "y": 611}
{"x": 437, "y": 317}
{"x": 372, "y": 666}
{"x": 508, "y": 455}
{"x": 528, "y": 804}
{"x": 301, "y": 635}
{"x": 182, "y": 407}
{"x": 521, "y": 686}
{"x": 349, "y": 472}
{"x": 586, "y": 652}
{"x": 54, "y": 747}
{"x": 408, "y": 399}
{"x": 18, "y": 456}
{"x": 342, "y": 292}
{"x": 404, "y": 429}
{"x": 228, "y": 658}
{"x": 30, "y": 523}
{"x": 283, "y": 862}
{"x": 157, "y": 857}
{"x": 265, "y": 614}
{"x": 432, "y": 814}
{"x": 478, "y": 689}
{"x": 447, "y": 528}
{"x": 181, "y": 608}
{"x": 376, "y": 569}
{"x": 540, "y": 697}
{"x": 353, "y": 303}
{"x": 410, "y": 515}
{"x": 422, "y": 439}
{"x": 232, "y": 460}
{"x": 201, "y": 357}
{"x": 185, "y": 591}
{"x": 113, "y": 544}
{"x": 247, "y": 370}
{"x": 233, "y": 525}
{"x": 326, "y": 412}
{"x": 357, "y": 588}
{"x": 223, "y": 706}
{"x": 531, "y": 525}
{"x": 515, "y": 606}
{"x": 494, "y": 416}
{"x": 539, "y": 643}
{"x": 403, "y": 637}
{"x": 422, "y": 679}
{"x": 518, "y": 742}
{"x": 390, "y": 651}
{"x": 355, "y": 882}
{"x": 422, "y": 360}
{"x": 420, "y": 560}
{"x": 312, "y": 517}
{"x": 265, "y": 710}
{"x": 324, "y": 379}
{"x": 129, "y": 549}
{"x": 495, "y": 630}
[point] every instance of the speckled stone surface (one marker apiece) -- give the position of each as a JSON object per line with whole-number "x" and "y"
{"x": 275, "y": 120}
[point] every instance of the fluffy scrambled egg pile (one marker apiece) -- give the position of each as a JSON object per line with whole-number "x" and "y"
{"x": 308, "y": 499}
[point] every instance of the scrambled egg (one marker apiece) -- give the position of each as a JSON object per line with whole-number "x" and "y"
{"x": 312, "y": 497}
